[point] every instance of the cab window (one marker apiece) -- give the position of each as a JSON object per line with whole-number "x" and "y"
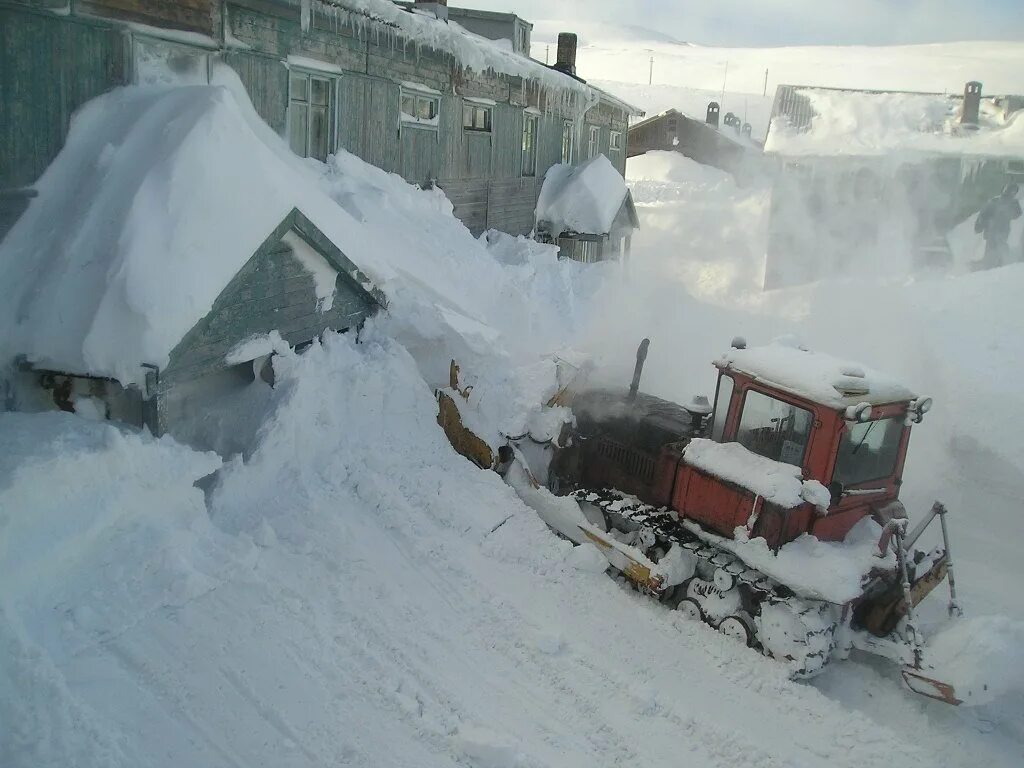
{"x": 774, "y": 429}
{"x": 721, "y": 412}
{"x": 868, "y": 451}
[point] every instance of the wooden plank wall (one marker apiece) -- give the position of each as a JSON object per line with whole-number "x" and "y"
{"x": 273, "y": 291}
{"x": 41, "y": 90}
{"x": 191, "y": 15}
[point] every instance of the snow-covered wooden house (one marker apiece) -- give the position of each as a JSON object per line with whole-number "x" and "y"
{"x": 729, "y": 146}
{"x": 161, "y": 289}
{"x": 865, "y": 178}
{"x": 405, "y": 87}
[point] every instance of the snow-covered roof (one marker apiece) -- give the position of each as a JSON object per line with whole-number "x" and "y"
{"x": 818, "y": 377}
{"x": 158, "y": 198}
{"x": 472, "y": 51}
{"x": 584, "y": 199}
{"x": 810, "y": 121}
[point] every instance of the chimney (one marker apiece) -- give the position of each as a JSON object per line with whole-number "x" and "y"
{"x": 712, "y": 118}
{"x": 748, "y": 129}
{"x": 437, "y": 7}
{"x": 565, "y": 60}
{"x": 972, "y": 103}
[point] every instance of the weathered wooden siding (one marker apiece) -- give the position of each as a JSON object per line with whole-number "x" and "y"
{"x": 512, "y": 204}
{"x": 40, "y": 90}
{"x": 469, "y": 200}
{"x": 266, "y": 80}
{"x": 191, "y": 15}
{"x": 273, "y": 291}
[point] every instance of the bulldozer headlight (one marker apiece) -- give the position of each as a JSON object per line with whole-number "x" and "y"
{"x": 918, "y": 408}
{"x": 859, "y": 412}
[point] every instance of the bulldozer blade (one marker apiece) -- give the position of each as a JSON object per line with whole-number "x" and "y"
{"x": 930, "y": 687}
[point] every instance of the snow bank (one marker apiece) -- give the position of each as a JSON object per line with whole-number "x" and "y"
{"x": 778, "y": 483}
{"x": 860, "y": 123}
{"x": 582, "y": 199}
{"x": 980, "y": 657}
{"x": 820, "y": 570}
{"x": 816, "y": 376}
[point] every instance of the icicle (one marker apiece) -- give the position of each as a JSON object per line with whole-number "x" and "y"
{"x": 305, "y": 12}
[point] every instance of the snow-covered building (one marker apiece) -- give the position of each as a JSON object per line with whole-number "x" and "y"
{"x": 728, "y": 147}
{"x": 163, "y": 290}
{"x": 587, "y": 210}
{"x": 864, "y": 177}
{"x": 408, "y": 89}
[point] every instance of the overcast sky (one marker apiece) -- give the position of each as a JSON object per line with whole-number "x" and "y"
{"x": 790, "y": 22}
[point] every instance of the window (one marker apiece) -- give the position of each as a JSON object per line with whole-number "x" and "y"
{"x": 419, "y": 108}
{"x": 868, "y": 451}
{"x": 721, "y": 412}
{"x": 476, "y": 118}
{"x": 310, "y": 106}
{"x": 567, "y": 141}
{"x": 774, "y": 429}
{"x": 594, "y": 144}
{"x": 529, "y": 144}
{"x": 615, "y": 141}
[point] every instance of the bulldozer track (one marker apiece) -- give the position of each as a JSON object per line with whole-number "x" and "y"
{"x": 807, "y": 628}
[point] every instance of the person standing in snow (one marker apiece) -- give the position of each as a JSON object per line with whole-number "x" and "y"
{"x": 993, "y": 223}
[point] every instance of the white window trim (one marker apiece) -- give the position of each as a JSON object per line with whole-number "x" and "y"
{"x": 333, "y": 116}
{"x": 419, "y": 92}
{"x": 615, "y": 141}
{"x": 485, "y": 104}
{"x": 531, "y": 116}
{"x": 571, "y": 125}
{"x": 593, "y": 141}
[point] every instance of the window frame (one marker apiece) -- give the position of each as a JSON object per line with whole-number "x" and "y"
{"x": 568, "y": 140}
{"x": 487, "y": 110}
{"x": 432, "y": 123}
{"x": 742, "y": 411}
{"x": 847, "y": 430}
{"x": 593, "y": 141}
{"x": 307, "y": 106}
{"x": 531, "y": 128}
{"x": 615, "y": 141}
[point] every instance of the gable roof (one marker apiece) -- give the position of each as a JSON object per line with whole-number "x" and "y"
{"x": 812, "y": 120}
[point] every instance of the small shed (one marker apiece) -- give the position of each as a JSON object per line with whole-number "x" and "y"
{"x": 164, "y": 291}
{"x": 730, "y": 148}
{"x": 587, "y": 210}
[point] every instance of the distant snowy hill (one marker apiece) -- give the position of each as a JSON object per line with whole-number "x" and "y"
{"x": 687, "y": 76}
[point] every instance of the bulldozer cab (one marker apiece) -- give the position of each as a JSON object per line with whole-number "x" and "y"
{"x": 844, "y": 427}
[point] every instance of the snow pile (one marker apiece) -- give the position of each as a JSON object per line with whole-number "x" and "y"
{"x": 778, "y": 483}
{"x": 358, "y": 594}
{"x": 820, "y": 570}
{"x": 816, "y": 376}
{"x": 583, "y": 199}
{"x": 863, "y": 123}
{"x": 660, "y": 176}
{"x": 980, "y": 657}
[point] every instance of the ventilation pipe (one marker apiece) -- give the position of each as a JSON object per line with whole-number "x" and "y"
{"x": 712, "y": 117}
{"x": 972, "y": 104}
{"x": 565, "y": 60}
{"x": 437, "y": 7}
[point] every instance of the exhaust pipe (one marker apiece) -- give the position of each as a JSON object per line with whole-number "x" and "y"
{"x": 641, "y": 357}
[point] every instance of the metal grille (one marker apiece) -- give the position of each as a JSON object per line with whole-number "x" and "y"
{"x": 630, "y": 460}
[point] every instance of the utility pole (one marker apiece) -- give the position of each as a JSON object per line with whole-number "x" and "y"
{"x": 765, "y": 93}
{"x": 650, "y": 74}
{"x": 547, "y": 53}
{"x": 725, "y": 79}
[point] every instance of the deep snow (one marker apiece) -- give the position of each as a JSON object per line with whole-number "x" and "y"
{"x": 353, "y": 592}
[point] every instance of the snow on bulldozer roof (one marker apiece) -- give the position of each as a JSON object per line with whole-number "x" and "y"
{"x": 818, "y": 377}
